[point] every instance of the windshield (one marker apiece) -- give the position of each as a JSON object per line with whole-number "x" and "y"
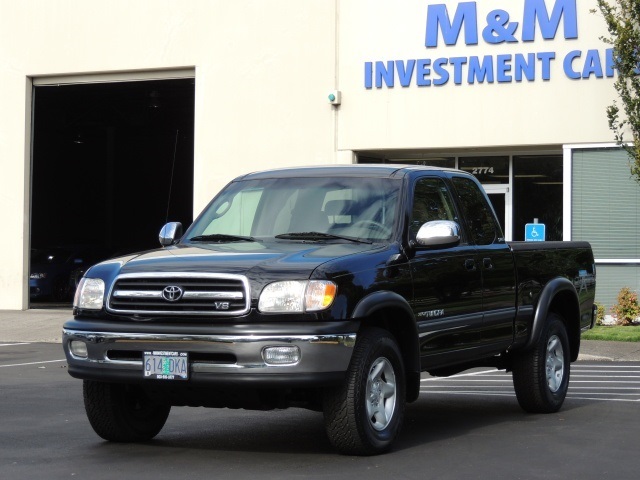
{"x": 360, "y": 208}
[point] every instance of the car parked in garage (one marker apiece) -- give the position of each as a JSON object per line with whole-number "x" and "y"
{"x": 52, "y": 267}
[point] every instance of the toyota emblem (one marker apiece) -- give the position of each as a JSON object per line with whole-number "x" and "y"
{"x": 172, "y": 293}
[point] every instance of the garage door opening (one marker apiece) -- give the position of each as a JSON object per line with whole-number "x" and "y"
{"x": 111, "y": 163}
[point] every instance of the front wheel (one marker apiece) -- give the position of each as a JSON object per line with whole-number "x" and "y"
{"x": 364, "y": 415}
{"x": 541, "y": 375}
{"x": 123, "y": 413}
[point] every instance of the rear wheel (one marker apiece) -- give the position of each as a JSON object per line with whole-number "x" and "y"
{"x": 364, "y": 415}
{"x": 123, "y": 413}
{"x": 541, "y": 374}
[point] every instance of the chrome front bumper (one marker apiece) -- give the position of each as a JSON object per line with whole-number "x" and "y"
{"x": 212, "y": 358}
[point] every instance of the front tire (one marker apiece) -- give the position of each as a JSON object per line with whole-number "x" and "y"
{"x": 364, "y": 415}
{"x": 541, "y": 374}
{"x": 123, "y": 413}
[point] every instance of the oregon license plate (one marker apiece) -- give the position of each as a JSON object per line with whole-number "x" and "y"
{"x": 166, "y": 365}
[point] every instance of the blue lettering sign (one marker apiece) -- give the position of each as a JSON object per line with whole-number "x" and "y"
{"x": 423, "y": 71}
{"x": 457, "y": 63}
{"x": 405, "y": 72}
{"x": 385, "y": 74}
{"x": 438, "y": 68}
{"x": 540, "y": 19}
{"x": 503, "y": 65}
{"x": 610, "y": 64}
{"x": 368, "y": 75}
{"x": 426, "y": 72}
{"x": 545, "y": 58}
{"x": 526, "y": 66}
{"x": 438, "y": 20}
{"x": 480, "y": 72}
{"x": 568, "y": 64}
{"x": 592, "y": 65}
{"x": 499, "y": 29}
{"x": 535, "y": 11}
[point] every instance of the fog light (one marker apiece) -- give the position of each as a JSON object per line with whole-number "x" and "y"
{"x": 78, "y": 348}
{"x": 286, "y": 355}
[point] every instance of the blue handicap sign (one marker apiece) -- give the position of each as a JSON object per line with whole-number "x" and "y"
{"x": 534, "y": 232}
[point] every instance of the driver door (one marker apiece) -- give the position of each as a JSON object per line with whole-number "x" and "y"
{"x": 447, "y": 301}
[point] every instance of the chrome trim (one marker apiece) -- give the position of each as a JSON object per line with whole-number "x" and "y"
{"x": 170, "y": 234}
{"x": 138, "y": 294}
{"x": 193, "y": 294}
{"x": 234, "y": 295}
{"x": 319, "y": 353}
{"x": 216, "y": 295}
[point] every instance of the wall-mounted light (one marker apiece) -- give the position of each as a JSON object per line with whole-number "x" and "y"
{"x": 335, "y": 97}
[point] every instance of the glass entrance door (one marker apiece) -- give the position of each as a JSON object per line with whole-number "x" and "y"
{"x": 500, "y": 198}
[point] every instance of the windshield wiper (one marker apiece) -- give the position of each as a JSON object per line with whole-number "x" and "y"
{"x": 221, "y": 238}
{"x": 318, "y": 236}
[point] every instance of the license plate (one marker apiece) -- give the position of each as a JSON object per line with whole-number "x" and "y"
{"x": 166, "y": 365}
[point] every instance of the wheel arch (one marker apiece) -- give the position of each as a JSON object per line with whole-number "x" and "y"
{"x": 559, "y": 296}
{"x": 392, "y": 312}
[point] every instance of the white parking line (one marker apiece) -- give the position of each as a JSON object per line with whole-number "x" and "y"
{"x": 12, "y": 344}
{"x": 602, "y": 383}
{"x": 431, "y": 379}
{"x": 603, "y": 399}
{"x": 602, "y": 367}
{"x": 478, "y": 393}
{"x": 32, "y": 363}
{"x": 607, "y": 388}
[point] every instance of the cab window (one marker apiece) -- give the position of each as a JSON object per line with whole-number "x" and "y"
{"x": 431, "y": 201}
{"x": 480, "y": 220}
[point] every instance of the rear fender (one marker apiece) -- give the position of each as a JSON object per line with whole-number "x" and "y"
{"x": 558, "y": 295}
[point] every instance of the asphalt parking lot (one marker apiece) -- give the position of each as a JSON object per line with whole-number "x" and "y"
{"x": 466, "y": 426}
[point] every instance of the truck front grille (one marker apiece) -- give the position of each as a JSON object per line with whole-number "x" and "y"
{"x": 152, "y": 294}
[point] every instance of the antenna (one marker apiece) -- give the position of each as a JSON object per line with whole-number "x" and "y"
{"x": 173, "y": 166}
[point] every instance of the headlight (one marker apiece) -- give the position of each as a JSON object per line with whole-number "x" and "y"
{"x": 297, "y": 296}
{"x": 89, "y": 294}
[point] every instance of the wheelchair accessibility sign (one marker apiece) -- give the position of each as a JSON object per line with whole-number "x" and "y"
{"x": 534, "y": 232}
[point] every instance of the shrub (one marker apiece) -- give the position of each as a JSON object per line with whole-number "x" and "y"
{"x": 627, "y": 308}
{"x": 600, "y": 314}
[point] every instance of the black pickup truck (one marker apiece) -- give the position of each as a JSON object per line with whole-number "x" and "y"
{"x": 328, "y": 288}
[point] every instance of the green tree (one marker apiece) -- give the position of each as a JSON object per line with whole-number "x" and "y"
{"x": 623, "y": 22}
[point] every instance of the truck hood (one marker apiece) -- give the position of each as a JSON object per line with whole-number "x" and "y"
{"x": 279, "y": 258}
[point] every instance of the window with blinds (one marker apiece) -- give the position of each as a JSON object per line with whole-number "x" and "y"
{"x": 606, "y": 204}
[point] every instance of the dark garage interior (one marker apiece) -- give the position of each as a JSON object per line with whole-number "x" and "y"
{"x": 111, "y": 163}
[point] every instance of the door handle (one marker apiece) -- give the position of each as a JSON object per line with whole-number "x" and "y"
{"x": 487, "y": 263}
{"x": 470, "y": 264}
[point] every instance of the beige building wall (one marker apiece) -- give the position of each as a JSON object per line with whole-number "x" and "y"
{"x": 263, "y": 71}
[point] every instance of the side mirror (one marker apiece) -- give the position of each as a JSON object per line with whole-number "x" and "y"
{"x": 170, "y": 234}
{"x": 438, "y": 234}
